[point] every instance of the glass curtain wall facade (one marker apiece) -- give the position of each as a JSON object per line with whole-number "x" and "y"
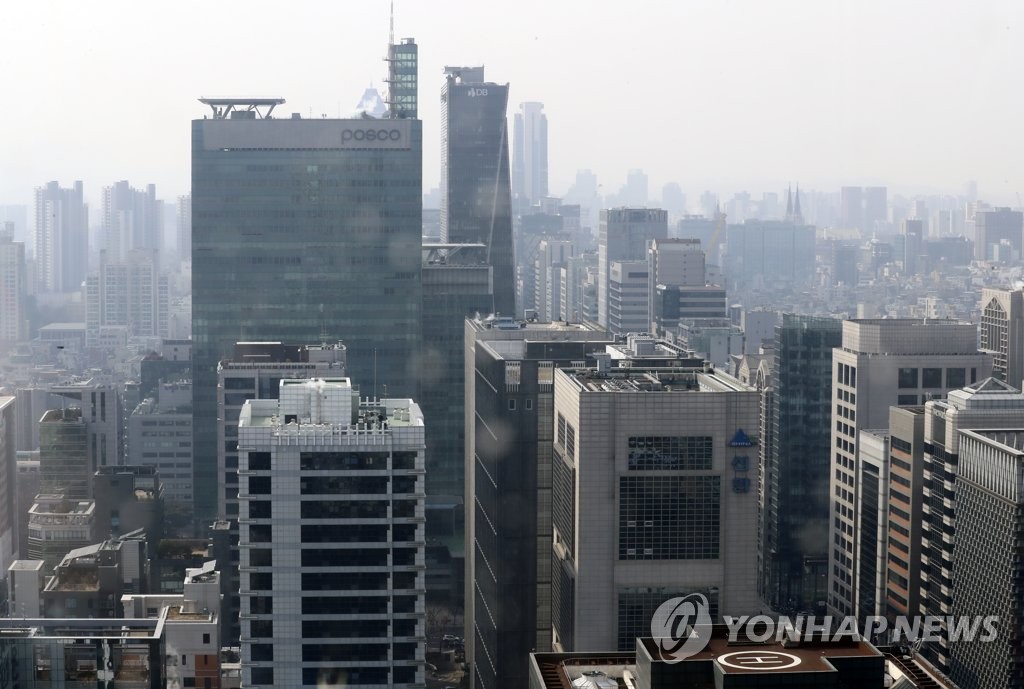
{"x": 476, "y": 187}
{"x": 796, "y": 483}
{"x": 303, "y": 230}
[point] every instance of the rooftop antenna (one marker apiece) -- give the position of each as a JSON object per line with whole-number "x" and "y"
{"x": 391, "y": 33}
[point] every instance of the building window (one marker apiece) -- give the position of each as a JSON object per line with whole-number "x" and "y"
{"x": 512, "y": 405}
{"x": 906, "y": 400}
{"x": 570, "y": 441}
{"x": 669, "y": 517}
{"x": 956, "y": 378}
{"x": 206, "y": 638}
{"x": 931, "y": 378}
{"x": 908, "y": 378}
{"x": 529, "y": 404}
{"x": 561, "y": 430}
{"x": 688, "y": 453}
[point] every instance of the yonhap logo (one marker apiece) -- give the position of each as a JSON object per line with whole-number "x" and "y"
{"x": 370, "y": 135}
{"x": 681, "y": 627}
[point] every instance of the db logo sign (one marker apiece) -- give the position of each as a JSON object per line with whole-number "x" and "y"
{"x": 681, "y": 627}
{"x": 472, "y": 93}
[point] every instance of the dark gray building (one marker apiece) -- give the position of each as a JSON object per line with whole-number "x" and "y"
{"x": 302, "y": 230}
{"x": 797, "y": 408}
{"x": 989, "y": 556}
{"x": 510, "y": 369}
{"x": 456, "y": 286}
{"x": 476, "y": 193}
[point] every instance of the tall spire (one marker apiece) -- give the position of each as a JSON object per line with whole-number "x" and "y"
{"x": 797, "y": 215}
{"x": 391, "y": 33}
{"x": 789, "y": 203}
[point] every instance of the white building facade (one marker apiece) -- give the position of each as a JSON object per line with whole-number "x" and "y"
{"x": 331, "y": 538}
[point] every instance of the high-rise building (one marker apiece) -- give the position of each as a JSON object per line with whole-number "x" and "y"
{"x": 552, "y": 256}
{"x": 510, "y": 373}
{"x": 769, "y": 251}
{"x": 331, "y": 541}
{"x": 1002, "y": 332}
{"x": 9, "y": 498}
{"x": 302, "y": 230}
{"x": 625, "y": 235}
{"x": 871, "y": 525}
{"x": 183, "y": 242}
{"x": 128, "y": 293}
{"x": 795, "y": 460}
{"x": 476, "y": 193}
{"x": 403, "y": 79}
{"x": 876, "y": 209}
{"x": 530, "y": 154}
{"x": 654, "y": 496}
{"x": 992, "y": 228}
{"x": 987, "y": 404}
{"x": 851, "y": 208}
{"x": 576, "y": 275}
{"x": 160, "y": 435}
{"x": 913, "y": 247}
{"x": 629, "y": 297}
{"x": 13, "y": 288}
{"x": 132, "y": 219}
{"x": 254, "y": 371}
{"x": 65, "y": 466}
{"x": 456, "y": 286}
{"x": 61, "y": 238}
{"x": 103, "y": 416}
{"x": 883, "y": 363}
{"x": 902, "y": 533}
{"x": 678, "y": 286}
{"x": 988, "y": 557}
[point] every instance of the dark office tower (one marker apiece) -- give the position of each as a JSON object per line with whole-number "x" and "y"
{"x": 625, "y": 235}
{"x": 476, "y": 195}
{"x": 989, "y": 557}
{"x": 61, "y": 238}
{"x": 851, "y": 208}
{"x": 876, "y": 208}
{"x": 992, "y": 228}
{"x": 456, "y": 285}
{"x": 509, "y": 397}
{"x": 403, "y": 77}
{"x": 795, "y": 457}
{"x": 945, "y": 565}
{"x": 530, "y": 155}
{"x": 302, "y": 230}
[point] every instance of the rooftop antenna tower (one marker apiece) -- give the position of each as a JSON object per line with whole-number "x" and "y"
{"x": 391, "y": 33}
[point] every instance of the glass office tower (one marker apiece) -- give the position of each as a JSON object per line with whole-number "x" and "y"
{"x": 476, "y": 187}
{"x": 302, "y": 230}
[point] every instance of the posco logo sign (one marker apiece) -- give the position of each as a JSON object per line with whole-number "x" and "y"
{"x": 370, "y": 135}
{"x": 380, "y": 134}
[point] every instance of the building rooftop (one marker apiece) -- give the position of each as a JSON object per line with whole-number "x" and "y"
{"x": 834, "y": 663}
{"x": 642, "y": 379}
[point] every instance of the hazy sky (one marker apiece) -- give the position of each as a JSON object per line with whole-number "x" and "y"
{"x": 711, "y": 93}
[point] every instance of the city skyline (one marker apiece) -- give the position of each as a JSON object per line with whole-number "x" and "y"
{"x": 829, "y": 100}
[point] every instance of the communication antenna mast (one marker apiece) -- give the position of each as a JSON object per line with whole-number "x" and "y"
{"x": 391, "y": 33}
